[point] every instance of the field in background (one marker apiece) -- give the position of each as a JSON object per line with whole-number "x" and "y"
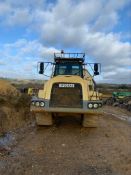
{"x": 110, "y": 88}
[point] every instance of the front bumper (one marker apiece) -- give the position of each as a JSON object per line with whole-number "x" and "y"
{"x": 65, "y": 110}
{"x": 47, "y": 108}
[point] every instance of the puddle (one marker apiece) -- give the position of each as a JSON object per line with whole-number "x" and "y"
{"x": 121, "y": 117}
{"x": 7, "y": 141}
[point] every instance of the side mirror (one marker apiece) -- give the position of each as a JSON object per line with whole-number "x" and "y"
{"x": 41, "y": 68}
{"x": 96, "y": 72}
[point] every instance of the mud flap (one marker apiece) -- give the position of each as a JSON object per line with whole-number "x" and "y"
{"x": 90, "y": 121}
{"x": 44, "y": 119}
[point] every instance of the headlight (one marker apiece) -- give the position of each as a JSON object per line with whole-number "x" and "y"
{"x": 90, "y": 105}
{"x": 95, "y": 105}
{"x": 37, "y": 103}
{"x": 42, "y": 104}
{"x": 100, "y": 104}
{"x": 33, "y": 103}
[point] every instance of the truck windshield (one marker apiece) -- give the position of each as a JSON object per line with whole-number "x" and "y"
{"x": 68, "y": 69}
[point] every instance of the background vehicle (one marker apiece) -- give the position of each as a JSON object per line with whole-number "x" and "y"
{"x": 121, "y": 95}
{"x": 33, "y": 91}
{"x": 29, "y": 90}
{"x": 70, "y": 90}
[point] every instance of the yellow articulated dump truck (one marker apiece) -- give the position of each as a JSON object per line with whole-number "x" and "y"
{"x": 70, "y": 91}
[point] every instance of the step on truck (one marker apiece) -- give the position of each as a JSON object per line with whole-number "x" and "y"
{"x": 70, "y": 91}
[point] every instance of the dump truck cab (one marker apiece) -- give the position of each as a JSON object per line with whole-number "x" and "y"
{"x": 68, "y": 66}
{"x": 70, "y": 90}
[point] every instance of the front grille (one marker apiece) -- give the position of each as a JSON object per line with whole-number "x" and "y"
{"x": 69, "y": 96}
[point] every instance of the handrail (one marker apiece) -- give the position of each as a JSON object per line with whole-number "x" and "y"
{"x": 69, "y": 55}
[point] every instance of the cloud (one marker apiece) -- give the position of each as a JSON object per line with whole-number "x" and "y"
{"x": 79, "y": 31}
{"x": 25, "y": 3}
{"x": 105, "y": 48}
{"x": 121, "y": 75}
{"x": 96, "y": 14}
{"x": 2, "y": 63}
{"x": 19, "y": 13}
{"x": 4, "y": 8}
{"x": 85, "y": 25}
{"x": 21, "y": 57}
{"x": 19, "y": 17}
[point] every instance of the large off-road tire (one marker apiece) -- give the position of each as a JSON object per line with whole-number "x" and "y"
{"x": 44, "y": 119}
{"x": 90, "y": 121}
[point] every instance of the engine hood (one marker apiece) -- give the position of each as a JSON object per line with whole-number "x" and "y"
{"x": 64, "y": 79}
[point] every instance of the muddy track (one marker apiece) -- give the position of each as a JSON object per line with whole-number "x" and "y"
{"x": 68, "y": 149}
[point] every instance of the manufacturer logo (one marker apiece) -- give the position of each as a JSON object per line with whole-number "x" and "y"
{"x": 66, "y": 85}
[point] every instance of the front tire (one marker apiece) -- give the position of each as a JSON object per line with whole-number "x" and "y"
{"x": 90, "y": 121}
{"x": 44, "y": 119}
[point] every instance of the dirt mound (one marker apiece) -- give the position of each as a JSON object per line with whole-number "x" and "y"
{"x": 14, "y": 107}
{"x": 6, "y": 87}
{"x": 14, "y": 111}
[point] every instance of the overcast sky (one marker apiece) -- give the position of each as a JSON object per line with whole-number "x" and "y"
{"x": 32, "y": 30}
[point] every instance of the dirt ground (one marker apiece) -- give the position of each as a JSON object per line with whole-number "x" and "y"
{"x": 68, "y": 149}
